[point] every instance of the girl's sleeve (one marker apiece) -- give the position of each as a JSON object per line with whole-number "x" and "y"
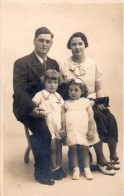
{"x": 37, "y": 99}
{"x": 88, "y": 103}
{"x": 98, "y": 72}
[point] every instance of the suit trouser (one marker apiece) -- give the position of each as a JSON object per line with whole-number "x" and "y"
{"x": 40, "y": 144}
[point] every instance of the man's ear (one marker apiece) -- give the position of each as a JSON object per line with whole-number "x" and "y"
{"x": 34, "y": 40}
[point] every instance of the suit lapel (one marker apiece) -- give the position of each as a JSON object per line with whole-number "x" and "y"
{"x": 37, "y": 67}
{"x": 49, "y": 64}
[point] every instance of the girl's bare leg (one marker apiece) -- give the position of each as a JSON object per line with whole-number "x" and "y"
{"x": 74, "y": 160}
{"x": 84, "y": 151}
{"x": 73, "y": 155}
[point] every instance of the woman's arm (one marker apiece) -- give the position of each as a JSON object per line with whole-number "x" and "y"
{"x": 100, "y": 92}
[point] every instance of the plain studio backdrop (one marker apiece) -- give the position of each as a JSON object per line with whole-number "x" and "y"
{"x": 100, "y": 22}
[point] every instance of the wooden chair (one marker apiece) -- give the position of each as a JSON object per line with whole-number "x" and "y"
{"x": 27, "y": 152}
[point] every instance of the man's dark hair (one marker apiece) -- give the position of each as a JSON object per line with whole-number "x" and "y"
{"x": 43, "y": 30}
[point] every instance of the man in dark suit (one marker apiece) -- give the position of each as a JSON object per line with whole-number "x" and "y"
{"x": 27, "y": 75}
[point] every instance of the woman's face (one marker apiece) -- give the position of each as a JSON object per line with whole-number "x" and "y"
{"x": 77, "y": 46}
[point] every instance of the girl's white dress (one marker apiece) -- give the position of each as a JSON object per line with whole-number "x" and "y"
{"x": 77, "y": 122}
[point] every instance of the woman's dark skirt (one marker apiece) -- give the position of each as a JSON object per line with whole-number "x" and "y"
{"x": 106, "y": 124}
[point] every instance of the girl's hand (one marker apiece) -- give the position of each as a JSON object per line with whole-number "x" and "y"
{"x": 62, "y": 133}
{"x": 90, "y": 134}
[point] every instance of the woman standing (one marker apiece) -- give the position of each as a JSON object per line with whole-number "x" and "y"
{"x": 80, "y": 66}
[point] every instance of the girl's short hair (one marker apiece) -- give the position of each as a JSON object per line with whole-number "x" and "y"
{"x": 52, "y": 74}
{"x": 78, "y": 34}
{"x": 81, "y": 85}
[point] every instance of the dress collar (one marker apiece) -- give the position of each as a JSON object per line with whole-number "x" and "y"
{"x": 46, "y": 95}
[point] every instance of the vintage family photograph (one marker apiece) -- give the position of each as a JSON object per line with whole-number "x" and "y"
{"x": 61, "y": 122}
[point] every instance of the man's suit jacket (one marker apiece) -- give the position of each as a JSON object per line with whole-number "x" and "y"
{"x": 26, "y": 83}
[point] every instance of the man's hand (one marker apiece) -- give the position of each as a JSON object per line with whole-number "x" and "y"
{"x": 39, "y": 113}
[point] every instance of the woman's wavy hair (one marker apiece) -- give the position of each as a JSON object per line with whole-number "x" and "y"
{"x": 78, "y": 34}
{"x": 82, "y": 86}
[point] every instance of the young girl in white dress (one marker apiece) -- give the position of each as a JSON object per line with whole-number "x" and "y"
{"x": 51, "y": 102}
{"x": 80, "y": 126}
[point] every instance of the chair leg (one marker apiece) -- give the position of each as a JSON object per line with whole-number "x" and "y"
{"x": 26, "y": 156}
{"x": 27, "y": 152}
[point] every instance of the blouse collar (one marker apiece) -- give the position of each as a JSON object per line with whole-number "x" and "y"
{"x": 79, "y": 69}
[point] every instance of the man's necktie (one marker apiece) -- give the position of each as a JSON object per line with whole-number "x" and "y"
{"x": 44, "y": 64}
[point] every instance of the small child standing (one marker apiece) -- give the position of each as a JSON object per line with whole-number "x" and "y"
{"x": 51, "y": 102}
{"x": 80, "y": 127}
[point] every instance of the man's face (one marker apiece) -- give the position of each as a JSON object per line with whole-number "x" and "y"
{"x": 42, "y": 44}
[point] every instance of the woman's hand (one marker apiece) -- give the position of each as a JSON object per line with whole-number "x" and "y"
{"x": 101, "y": 107}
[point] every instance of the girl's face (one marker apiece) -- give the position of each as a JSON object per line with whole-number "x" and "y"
{"x": 51, "y": 85}
{"x": 74, "y": 91}
{"x": 77, "y": 46}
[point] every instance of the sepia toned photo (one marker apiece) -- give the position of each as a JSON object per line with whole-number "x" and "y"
{"x": 61, "y": 122}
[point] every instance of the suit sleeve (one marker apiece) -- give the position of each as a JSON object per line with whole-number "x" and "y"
{"x": 21, "y": 95}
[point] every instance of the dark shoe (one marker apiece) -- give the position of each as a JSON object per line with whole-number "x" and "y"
{"x": 45, "y": 180}
{"x": 56, "y": 175}
{"x": 44, "y": 177}
{"x": 62, "y": 173}
{"x": 115, "y": 163}
{"x": 107, "y": 169}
